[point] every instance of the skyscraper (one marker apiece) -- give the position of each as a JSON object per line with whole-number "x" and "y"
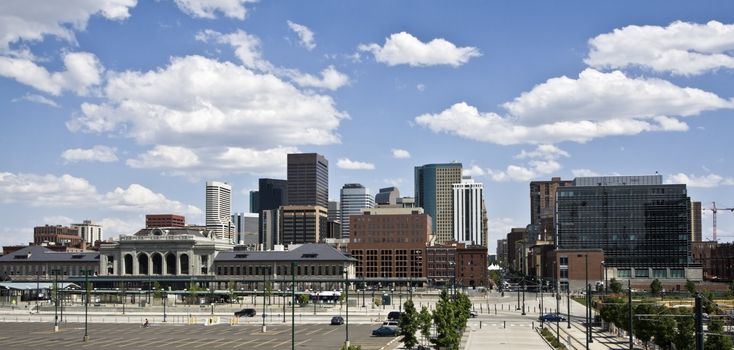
{"x": 434, "y": 192}
{"x": 272, "y": 193}
{"x": 303, "y": 224}
{"x": 468, "y": 212}
{"x": 335, "y": 211}
{"x": 254, "y": 201}
{"x": 696, "y": 222}
{"x": 308, "y": 179}
{"x": 245, "y": 229}
{"x": 354, "y": 197}
{"x": 89, "y": 231}
{"x": 219, "y": 209}
{"x": 387, "y": 196}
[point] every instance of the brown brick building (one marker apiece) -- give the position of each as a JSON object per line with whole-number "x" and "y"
{"x": 390, "y": 244}
{"x": 569, "y": 267}
{"x": 542, "y": 204}
{"x": 59, "y": 235}
{"x": 467, "y": 264}
{"x": 164, "y": 220}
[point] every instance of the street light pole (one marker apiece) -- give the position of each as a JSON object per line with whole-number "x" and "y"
{"x": 346, "y": 289}
{"x": 523, "y": 296}
{"x": 164, "y": 297}
{"x": 86, "y": 305}
{"x": 293, "y": 304}
{"x": 56, "y": 303}
{"x": 264, "y": 289}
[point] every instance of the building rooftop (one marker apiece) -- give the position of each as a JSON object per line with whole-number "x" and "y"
{"x": 304, "y": 252}
{"x": 43, "y": 254}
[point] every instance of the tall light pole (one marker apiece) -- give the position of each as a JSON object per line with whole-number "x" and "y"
{"x": 164, "y": 297}
{"x": 264, "y": 289}
{"x": 86, "y": 304}
{"x": 588, "y": 300}
{"x": 38, "y": 290}
{"x": 56, "y": 302}
{"x": 293, "y": 304}
{"x": 346, "y": 289}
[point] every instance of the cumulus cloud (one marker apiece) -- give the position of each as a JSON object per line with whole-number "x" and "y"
{"x": 247, "y": 49}
{"x": 404, "y": 48}
{"x": 213, "y": 104}
{"x": 541, "y": 161}
{"x": 38, "y": 99}
{"x": 113, "y": 226}
{"x": 703, "y": 181}
{"x": 98, "y": 153}
{"x": 346, "y": 163}
{"x": 165, "y": 157}
{"x": 400, "y": 153}
{"x": 474, "y": 171}
{"x": 330, "y": 79}
{"x": 595, "y": 105}
{"x": 66, "y": 190}
{"x": 681, "y": 48}
{"x": 209, "y": 8}
{"x": 304, "y": 34}
{"x": 83, "y": 71}
{"x": 22, "y": 22}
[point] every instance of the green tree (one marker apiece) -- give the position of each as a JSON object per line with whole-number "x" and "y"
{"x": 707, "y": 300}
{"x": 156, "y": 290}
{"x": 424, "y": 323}
{"x": 644, "y": 327}
{"x": 691, "y": 286}
{"x": 304, "y": 298}
{"x": 408, "y": 324}
{"x": 716, "y": 338}
{"x": 193, "y": 292}
{"x": 684, "y": 338}
{"x": 656, "y": 287}
{"x": 615, "y": 286}
{"x": 444, "y": 316}
{"x": 351, "y": 347}
{"x": 611, "y": 310}
{"x": 664, "y": 328}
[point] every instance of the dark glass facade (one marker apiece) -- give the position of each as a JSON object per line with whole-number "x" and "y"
{"x": 637, "y": 226}
{"x": 308, "y": 180}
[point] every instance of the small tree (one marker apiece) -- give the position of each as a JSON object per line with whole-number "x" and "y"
{"x": 691, "y": 286}
{"x": 615, "y": 286}
{"x": 717, "y": 339}
{"x": 304, "y": 298}
{"x": 156, "y": 290}
{"x": 444, "y": 317}
{"x": 656, "y": 287}
{"x": 684, "y": 338}
{"x": 664, "y": 329}
{"x": 193, "y": 291}
{"x": 409, "y": 325}
{"x": 644, "y": 327}
{"x": 351, "y": 347}
{"x": 424, "y": 323}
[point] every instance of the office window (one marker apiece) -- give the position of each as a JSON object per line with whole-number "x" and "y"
{"x": 623, "y": 273}
{"x": 677, "y": 273}
{"x": 659, "y": 273}
{"x": 642, "y": 273}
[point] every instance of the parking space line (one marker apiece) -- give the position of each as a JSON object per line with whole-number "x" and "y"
{"x": 281, "y": 344}
{"x": 225, "y": 343}
{"x": 102, "y": 342}
{"x": 245, "y": 343}
{"x": 205, "y": 341}
{"x": 263, "y": 343}
{"x": 173, "y": 342}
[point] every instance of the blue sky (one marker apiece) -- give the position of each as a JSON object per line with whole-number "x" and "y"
{"x": 115, "y": 108}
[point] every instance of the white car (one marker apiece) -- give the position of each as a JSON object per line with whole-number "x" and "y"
{"x": 473, "y": 314}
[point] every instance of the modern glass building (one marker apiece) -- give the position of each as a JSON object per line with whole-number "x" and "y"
{"x": 434, "y": 193}
{"x": 308, "y": 180}
{"x": 353, "y": 198}
{"x": 641, "y": 224}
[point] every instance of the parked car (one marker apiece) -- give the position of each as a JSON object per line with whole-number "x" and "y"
{"x": 385, "y": 331}
{"x": 473, "y": 313}
{"x": 390, "y": 323}
{"x": 249, "y": 312}
{"x": 552, "y": 318}
{"x": 337, "y": 320}
{"x": 394, "y": 315}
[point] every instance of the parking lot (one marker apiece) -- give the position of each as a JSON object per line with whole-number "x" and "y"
{"x": 132, "y": 336}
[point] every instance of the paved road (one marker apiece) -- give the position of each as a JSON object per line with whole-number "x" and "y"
{"x": 127, "y": 336}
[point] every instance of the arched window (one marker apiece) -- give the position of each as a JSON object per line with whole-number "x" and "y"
{"x": 128, "y": 264}
{"x": 143, "y": 264}
{"x": 170, "y": 264}
{"x": 184, "y": 263}
{"x": 157, "y": 264}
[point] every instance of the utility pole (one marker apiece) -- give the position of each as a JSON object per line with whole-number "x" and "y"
{"x": 699, "y": 322}
{"x": 293, "y": 304}
{"x": 629, "y": 310}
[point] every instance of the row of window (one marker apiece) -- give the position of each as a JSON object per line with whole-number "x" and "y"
{"x": 305, "y": 270}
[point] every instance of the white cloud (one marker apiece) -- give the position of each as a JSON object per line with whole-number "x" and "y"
{"x": 498, "y": 228}
{"x": 21, "y": 21}
{"x": 209, "y": 8}
{"x": 171, "y": 157}
{"x": 420, "y": 87}
{"x": 98, "y": 153}
{"x": 38, "y": 99}
{"x": 66, "y": 190}
{"x": 400, "y": 153}
{"x": 113, "y": 227}
{"x": 703, "y": 181}
{"x": 304, "y": 34}
{"x": 346, "y": 163}
{"x": 83, "y": 72}
{"x": 541, "y": 161}
{"x": 404, "y": 48}
{"x": 544, "y": 152}
{"x": 595, "y": 105}
{"x": 199, "y": 102}
{"x": 474, "y": 171}
{"x": 330, "y": 79}
{"x": 584, "y": 173}
{"x": 395, "y": 182}
{"x": 247, "y": 47}
{"x": 681, "y": 48}
{"x": 57, "y": 220}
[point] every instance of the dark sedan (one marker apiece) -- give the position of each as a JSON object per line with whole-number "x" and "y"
{"x": 245, "y": 313}
{"x": 337, "y": 320}
{"x": 551, "y": 318}
{"x": 385, "y": 331}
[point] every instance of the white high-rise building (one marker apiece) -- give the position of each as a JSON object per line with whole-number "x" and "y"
{"x": 354, "y": 197}
{"x": 469, "y": 212}
{"x": 89, "y": 231}
{"x": 219, "y": 210}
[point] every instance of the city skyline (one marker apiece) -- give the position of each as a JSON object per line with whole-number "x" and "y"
{"x": 515, "y": 92}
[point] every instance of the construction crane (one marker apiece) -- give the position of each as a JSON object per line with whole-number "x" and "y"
{"x": 714, "y": 209}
